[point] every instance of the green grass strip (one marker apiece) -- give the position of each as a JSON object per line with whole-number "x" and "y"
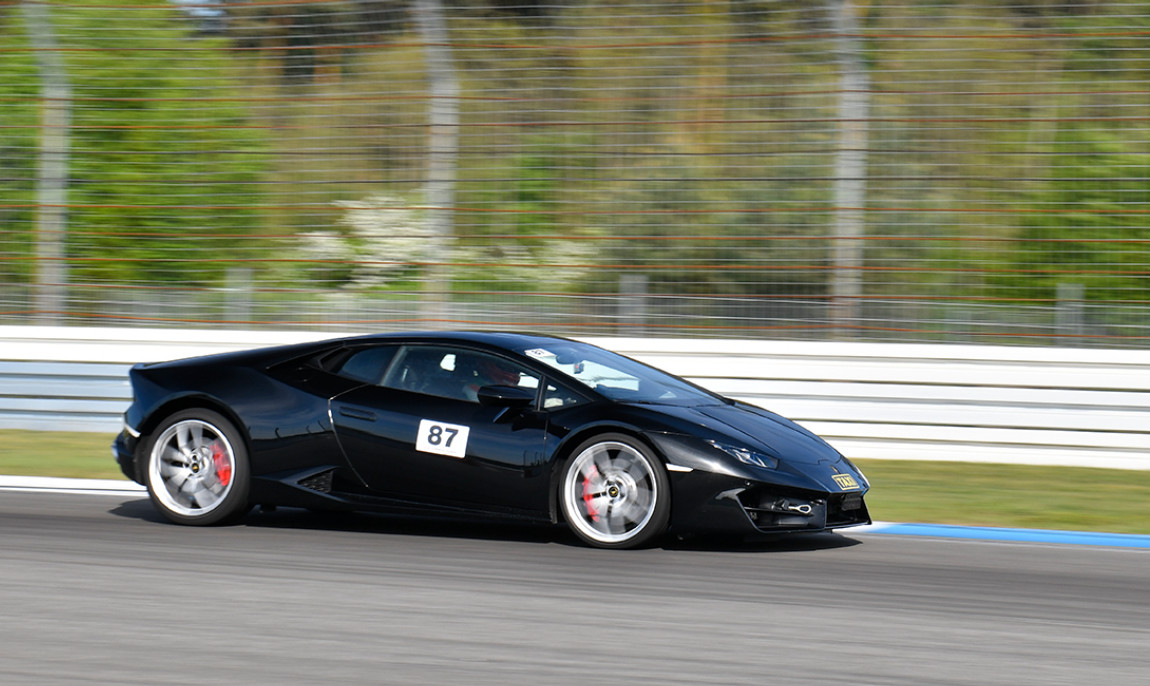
{"x": 975, "y": 494}
{"x": 1075, "y": 498}
{"x": 46, "y": 453}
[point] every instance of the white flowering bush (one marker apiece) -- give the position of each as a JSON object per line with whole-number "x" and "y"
{"x": 554, "y": 263}
{"x": 382, "y": 239}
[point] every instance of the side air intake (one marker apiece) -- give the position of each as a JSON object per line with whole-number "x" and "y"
{"x": 319, "y": 482}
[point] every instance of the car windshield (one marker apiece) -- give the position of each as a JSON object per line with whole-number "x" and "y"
{"x": 617, "y": 377}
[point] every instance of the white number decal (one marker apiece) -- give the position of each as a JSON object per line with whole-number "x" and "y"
{"x": 442, "y": 439}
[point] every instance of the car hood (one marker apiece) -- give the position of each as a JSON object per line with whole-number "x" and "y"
{"x": 759, "y": 429}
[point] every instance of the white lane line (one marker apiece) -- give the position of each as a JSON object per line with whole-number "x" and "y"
{"x": 49, "y": 484}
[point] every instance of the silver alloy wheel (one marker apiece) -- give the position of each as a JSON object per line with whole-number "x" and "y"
{"x": 191, "y": 468}
{"x": 610, "y": 492}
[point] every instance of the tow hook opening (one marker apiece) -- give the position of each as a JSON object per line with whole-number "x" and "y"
{"x": 787, "y": 506}
{"x": 778, "y": 511}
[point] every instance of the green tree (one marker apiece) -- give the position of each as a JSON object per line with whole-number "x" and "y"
{"x": 1090, "y": 225}
{"x": 163, "y": 173}
{"x": 19, "y": 88}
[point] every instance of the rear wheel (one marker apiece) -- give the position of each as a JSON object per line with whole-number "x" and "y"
{"x": 615, "y": 492}
{"x": 197, "y": 469}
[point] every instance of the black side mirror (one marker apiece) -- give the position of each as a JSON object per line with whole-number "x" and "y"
{"x": 506, "y": 396}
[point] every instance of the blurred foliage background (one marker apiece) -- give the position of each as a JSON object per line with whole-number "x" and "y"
{"x": 952, "y": 170}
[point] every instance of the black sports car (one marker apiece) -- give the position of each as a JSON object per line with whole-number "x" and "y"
{"x": 470, "y": 424}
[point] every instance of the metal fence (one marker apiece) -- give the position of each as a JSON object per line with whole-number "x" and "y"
{"x": 1050, "y": 406}
{"x": 961, "y": 171}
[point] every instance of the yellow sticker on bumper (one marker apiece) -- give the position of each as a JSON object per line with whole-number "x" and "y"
{"x": 846, "y": 482}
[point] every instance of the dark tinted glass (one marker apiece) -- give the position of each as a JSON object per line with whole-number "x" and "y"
{"x": 369, "y": 364}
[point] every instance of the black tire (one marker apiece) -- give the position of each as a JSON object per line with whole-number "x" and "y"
{"x": 196, "y": 469}
{"x": 614, "y": 492}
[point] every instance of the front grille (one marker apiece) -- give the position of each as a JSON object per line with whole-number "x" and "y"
{"x": 771, "y": 509}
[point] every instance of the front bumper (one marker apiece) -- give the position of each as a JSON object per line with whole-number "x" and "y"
{"x": 705, "y": 502}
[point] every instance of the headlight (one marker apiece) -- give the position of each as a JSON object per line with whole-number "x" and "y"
{"x": 747, "y": 456}
{"x": 858, "y": 471}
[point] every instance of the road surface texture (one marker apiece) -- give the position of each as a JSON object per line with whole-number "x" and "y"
{"x": 96, "y": 589}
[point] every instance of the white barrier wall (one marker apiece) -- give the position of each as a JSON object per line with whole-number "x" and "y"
{"x": 1042, "y": 406}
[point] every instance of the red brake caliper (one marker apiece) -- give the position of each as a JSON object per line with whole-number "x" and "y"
{"x": 222, "y": 463}
{"x": 588, "y": 496}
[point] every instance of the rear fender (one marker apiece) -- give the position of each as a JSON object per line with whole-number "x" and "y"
{"x": 173, "y": 405}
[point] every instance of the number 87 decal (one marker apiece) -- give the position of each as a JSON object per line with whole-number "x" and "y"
{"x": 442, "y": 438}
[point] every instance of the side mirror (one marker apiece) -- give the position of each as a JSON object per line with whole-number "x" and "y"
{"x": 506, "y": 396}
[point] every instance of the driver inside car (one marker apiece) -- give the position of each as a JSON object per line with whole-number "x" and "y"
{"x": 491, "y": 371}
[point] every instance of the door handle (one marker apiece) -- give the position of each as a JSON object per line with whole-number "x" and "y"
{"x": 356, "y": 413}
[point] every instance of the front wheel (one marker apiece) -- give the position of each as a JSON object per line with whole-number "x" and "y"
{"x": 615, "y": 493}
{"x": 197, "y": 469}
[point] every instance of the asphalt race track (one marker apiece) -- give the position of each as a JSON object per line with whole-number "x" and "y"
{"x": 95, "y": 589}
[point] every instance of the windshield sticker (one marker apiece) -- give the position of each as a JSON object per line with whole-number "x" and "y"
{"x": 538, "y": 352}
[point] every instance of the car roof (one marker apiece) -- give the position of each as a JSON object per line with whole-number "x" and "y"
{"x": 511, "y": 342}
{"x": 507, "y": 340}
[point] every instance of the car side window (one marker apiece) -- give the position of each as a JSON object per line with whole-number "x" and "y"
{"x": 557, "y": 397}
{"x": 457, "y": 373}
{"x": 369, "y": 364}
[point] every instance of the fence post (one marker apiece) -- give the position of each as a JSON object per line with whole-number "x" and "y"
{"x": 50, "y": 285}
{"x": 238, "y": 295}
{"x": 632, "y": 304}
{"x": 1071, "y": 314}
{"x": 443, "y": 149}
{"x": 850, "y": 169}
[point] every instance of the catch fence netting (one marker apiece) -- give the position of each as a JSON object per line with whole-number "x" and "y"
{"x": 967, "y": 171}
